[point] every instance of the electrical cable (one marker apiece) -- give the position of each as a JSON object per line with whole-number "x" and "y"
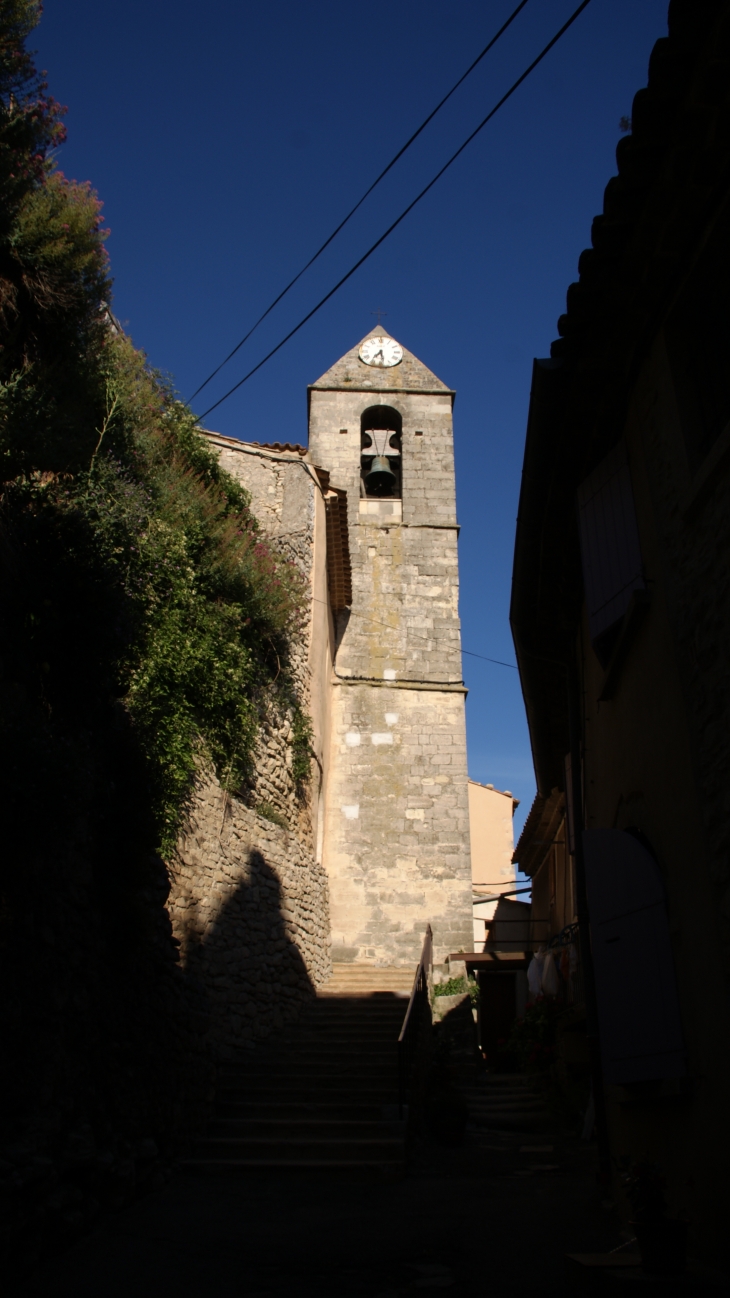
{"x": 360, "y": 201}
{"x": 498, "y": 661}
{"x": 514, "y": 892}
{"x": 403, "y": 214}
{"x": 419, "y": 636}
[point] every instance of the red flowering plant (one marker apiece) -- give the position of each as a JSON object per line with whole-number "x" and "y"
{"x": 134, "y": 580}
{"x": 31, "y": 125}
{"x": 532, "y": 1039}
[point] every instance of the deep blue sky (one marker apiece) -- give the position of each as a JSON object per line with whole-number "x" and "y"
{"x": 227, "y": 139}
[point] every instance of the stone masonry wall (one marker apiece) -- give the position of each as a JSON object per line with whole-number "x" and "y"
{"x": 249, "y": 904}
{"x": 398, "y": 824}
{"x": 282, "y": 489}
{"x": 405, "y": 613}
{"x": 250, "y": 908}
{"x": 106, "y": 1072}
{"x": 427, "y": 456}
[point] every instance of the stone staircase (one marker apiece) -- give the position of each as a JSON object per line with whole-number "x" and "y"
{"x": 324, "y": 1097}
{"x": 503, "y": 1102}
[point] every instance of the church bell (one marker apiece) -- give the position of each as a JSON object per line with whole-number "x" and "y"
{"x": 380, "y": 479}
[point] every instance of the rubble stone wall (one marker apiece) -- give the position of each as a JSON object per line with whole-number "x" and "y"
{"x": 249, "y": 906}
{"x": 282, "y": 488}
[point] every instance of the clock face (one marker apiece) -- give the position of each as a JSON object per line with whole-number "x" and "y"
{"x": 382, "y": 352}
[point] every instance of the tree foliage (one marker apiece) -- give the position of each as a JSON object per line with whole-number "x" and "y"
{"x": 140, "y": 605}
{"x": 30, "y": 121}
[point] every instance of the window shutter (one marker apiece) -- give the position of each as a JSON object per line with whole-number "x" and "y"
{"x": 609, "y": 542}
{"x": 636, "y": 990}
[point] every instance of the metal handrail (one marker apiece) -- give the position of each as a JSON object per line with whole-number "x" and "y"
{"x": 413, "y": 1018}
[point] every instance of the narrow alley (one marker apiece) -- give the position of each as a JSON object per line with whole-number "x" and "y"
{"x": 304, "y": 1184}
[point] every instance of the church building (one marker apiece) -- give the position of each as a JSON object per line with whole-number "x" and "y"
{"x": 379, "y": 846}
{"x": 396, "y": 815}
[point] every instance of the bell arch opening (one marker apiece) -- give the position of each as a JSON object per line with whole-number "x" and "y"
{"x": 381, "y": 437}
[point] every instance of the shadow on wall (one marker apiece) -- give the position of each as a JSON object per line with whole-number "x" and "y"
{"x": 108, "y": 1030}
{"x": 250, "y": 908}
{"x": 251, "y": 972}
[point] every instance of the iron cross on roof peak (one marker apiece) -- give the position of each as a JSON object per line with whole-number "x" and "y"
{"x": 378, "y": 312}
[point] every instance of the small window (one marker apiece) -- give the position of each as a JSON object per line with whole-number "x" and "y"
{"x": 698, "y": 343}
{"x": 610, "y": 550}
{"x": 381, "y": 430}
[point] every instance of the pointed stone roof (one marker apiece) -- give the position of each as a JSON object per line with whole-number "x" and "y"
{"x": 349, "y": 373}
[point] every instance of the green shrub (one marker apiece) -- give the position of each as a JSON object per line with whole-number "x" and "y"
{"x": 301, "y": 746}
{"x": 455, "y": 986}
{"x": 266, "y": 810}
{"x": 135, "y": 587}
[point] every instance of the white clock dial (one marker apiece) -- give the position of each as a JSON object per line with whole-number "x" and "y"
{"x": 382, "y": 352}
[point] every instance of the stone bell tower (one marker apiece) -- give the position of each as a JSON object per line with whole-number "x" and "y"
{"x": 396, "y": 822}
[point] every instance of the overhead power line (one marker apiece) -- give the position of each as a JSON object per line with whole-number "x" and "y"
{"x": 404, "y": 214}
{"x": 498, "y": 661}
{"x": 360, "y": 201}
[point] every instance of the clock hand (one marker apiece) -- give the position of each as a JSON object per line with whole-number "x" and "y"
{"x": 379, "y": 354}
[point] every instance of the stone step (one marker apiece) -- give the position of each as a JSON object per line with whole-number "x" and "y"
{"x": 497, "y": 1085}
{"x": 312, "y": 1090}
{"x": 357, "y": 1002}
{"x": 283, "y": 1109}
{"x": 373, "y": 975}
{"x": 311, "y": 1074}
{"x": 341, "y": 1096}
{"x": 487, "y": 1113}
{"x": 378, "y": 975}
{"x": 371, "y": 980}
{"x": 343, "y": 1070}
{"x": 337, "y": 1036}
{"x": 311, "y": 1127}
{"x": 310, "y": 1056}
{"x": 514, "y": 1120}
{"x": 342, "y": 1010}
{"x": 350, "y": 1000}
{"x": 377, "y": 1169}
{"x": 301, "y": 1149}
{"x": 359, "y": 1005}
{"x": 380, "y": 987}
{"x": 380, "y": 1049}
{"x": 502, "y": 1122}
{"x": 316, "y": 1065}
{"x": 366, "y": 989}
{"x": 505, "y": 1106}
{"x": 347, "y": 1010}
{"x": 346, "y": 1030}
{"x": 486, "y": 1106}
{"x": 503, "y": 1092}
{"x": 324, "y": 1098}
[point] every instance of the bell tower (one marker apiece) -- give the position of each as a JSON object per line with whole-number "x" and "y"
{"x": 396, "y": 818}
